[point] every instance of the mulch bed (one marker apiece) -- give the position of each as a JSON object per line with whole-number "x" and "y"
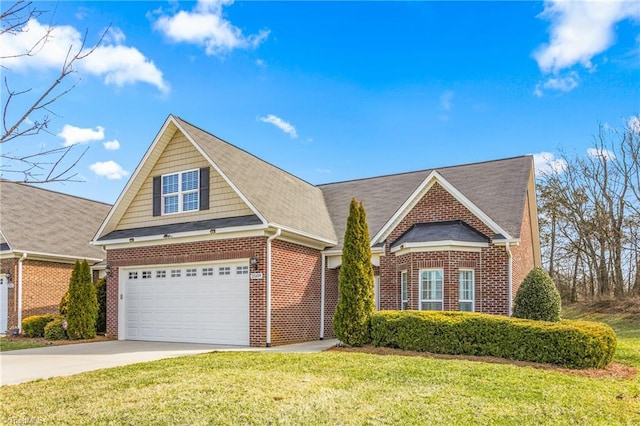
{"x": 614, "y": 370}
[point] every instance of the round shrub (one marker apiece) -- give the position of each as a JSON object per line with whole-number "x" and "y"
{"x": 34, "y": 325}
{"x": 56, "y": 329}
{"x": 538, "y": 298}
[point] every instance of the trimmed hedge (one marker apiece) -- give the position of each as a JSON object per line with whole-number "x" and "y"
{"x": 573, "y": 344}
{"x": 34, "y": 325}
{"x": 56, "y": 330}
{"x": 537, "y": 298}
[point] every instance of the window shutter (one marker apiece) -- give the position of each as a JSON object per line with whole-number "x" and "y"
{"x": 157, "y": 195}
{"x": 204, "y": 188}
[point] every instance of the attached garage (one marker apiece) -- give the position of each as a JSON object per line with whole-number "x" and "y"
{"x": 191, "y": 303}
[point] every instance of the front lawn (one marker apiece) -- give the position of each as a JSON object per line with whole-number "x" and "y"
{"x": 7, "y": 344}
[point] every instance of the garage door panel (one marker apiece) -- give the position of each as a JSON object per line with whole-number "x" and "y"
{"x": 188, "y": 304}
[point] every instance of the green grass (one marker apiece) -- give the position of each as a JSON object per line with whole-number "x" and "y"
{"x": 14, "y": 345}
{"x": 330, "y": 388}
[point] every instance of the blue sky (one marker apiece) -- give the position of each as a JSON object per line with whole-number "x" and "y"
{"x": 331, "y": 91}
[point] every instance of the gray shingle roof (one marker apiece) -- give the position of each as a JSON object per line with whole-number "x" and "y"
{"x": 498, "y": 188}
{"x": 454, "y": 230}
{"x": 279, "y": 197}
{"x": 39, "y": 220}
{"x": 182, "y": 227}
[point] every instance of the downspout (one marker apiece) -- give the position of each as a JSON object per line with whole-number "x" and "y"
{"x": 510, "y": 277}
{"x": 268, "y": 292}
{"x": 322, "y": 278}
{"x": 24, "y": 256}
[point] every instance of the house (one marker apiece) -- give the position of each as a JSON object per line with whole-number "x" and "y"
{"x": 42, "y": 234}
{"x": 208, "y": 243}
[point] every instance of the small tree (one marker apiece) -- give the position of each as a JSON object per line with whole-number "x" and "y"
{"x": 101, "y": 293}
{"x": 356, "y": 302}
{"x": 537, "y": 298}
{"x": 82, "y": 308}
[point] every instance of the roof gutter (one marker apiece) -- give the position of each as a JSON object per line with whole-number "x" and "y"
{"x": 24, "y": 256}
{"x": 268, "y": 290}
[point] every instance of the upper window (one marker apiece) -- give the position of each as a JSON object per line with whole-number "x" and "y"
{"x": 466, "y": 299}
{"x": 180, "y": 192}
{"x": 404, "y": 292}
{"x": 431, "y": 290}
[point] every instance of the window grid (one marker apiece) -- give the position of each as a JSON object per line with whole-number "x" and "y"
{"x": 224, "y": 270}
{"x": 431, "y": 289}
{"x": 467, "y": 287}
{"x": 161, "y": 274}
{"x": 242, "y": 270}
{"x": 404, "y": 290}
{"x": 191, "y": 272}
{"x": 207, "y": 272}
{"x": 180, "y": 192}
{"x": 133, "y": 275}
{"x": 175, "y": 273}
{"x": 146, "y": 275}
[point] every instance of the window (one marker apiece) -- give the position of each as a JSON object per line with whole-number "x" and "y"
{"x": 431, "y": 290}
{"x": 161, "y": 274}
{"x": 133, "y": 275}
{"x": 242, "y": 270}
{"x": 180, "y": 192}
{"x": 193, "y": 272}
{"x": 466, "y": 280}
{"x": 146, "y": 275}
{"x": 175, "y": 273}
{"x": 404, "y": 291}
{"x": 207, "y": 272}
{"x": 224, "y": 270}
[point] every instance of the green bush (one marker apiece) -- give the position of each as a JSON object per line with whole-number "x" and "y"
{"x": 101, "y": 294}
{"x": 64, "y": 304}
{"x": 33, "y": 326}
{"x": 82, "y": 310}
{"x": 56, "y": 329}
{"x": 538, "y": 298}
{"x": 573, "y": 344}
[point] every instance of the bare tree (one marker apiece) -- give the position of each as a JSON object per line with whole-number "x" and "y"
{"x": 44, "y": 165}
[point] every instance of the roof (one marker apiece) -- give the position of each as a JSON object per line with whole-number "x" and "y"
{"x": 38, "y": 220}
{"x": 498, "y": 188}
{"x": 182, "y": 227}
{"x": 454, "y": 230}
{"x": 280, "y": 197}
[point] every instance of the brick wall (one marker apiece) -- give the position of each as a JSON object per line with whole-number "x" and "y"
{"x": 331, "y": 295}
{"x": 295, "y": 290}
{"x": 490, "y": 265}
{"x": 523, "y": 258}
{"x": 202, "y": 251}
{"x": 43, "y": 286}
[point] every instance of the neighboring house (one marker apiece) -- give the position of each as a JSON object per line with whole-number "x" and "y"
{"x": 208, "y": 243}
{"x": 42, "y": 234}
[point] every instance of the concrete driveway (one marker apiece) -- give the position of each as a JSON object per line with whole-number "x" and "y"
{"x": 65, "y": 360}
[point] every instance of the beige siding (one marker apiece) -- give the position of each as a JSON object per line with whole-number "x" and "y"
{"x": 181, "y": 155}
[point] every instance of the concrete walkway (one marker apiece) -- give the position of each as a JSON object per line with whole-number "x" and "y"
{"x": 52, "y": 361}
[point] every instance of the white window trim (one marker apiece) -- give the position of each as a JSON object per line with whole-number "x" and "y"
{"x": 431, "y": 300}
{"x": 473, "y": 288}
{"x": 404, "y": 298}
{"x": 180, "y": 192}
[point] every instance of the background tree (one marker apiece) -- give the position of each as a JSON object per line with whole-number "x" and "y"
{"x": 33, "y": 115}
{"x": 590, "y": 217}
{"x": 355, "y": 284}
{"x": 82, "y": 308}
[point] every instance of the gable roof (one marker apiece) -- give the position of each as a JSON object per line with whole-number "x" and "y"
{"x": 41, "y": 221}
{"x": 498, "y": 188}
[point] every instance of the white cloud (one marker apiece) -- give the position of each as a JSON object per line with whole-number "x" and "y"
{"x": 560, "y": 84}
{"x": 115, "y": 63}
{"x": 601, "y": 153}
{"x": 280, "y": 124}
{"x": 446, "y": 100}
{"x": 634, "y": 124}
{"x": 74, "y": 135}
{"x": 205, "y": 25}
{"x": 327, "y": 171}
{"x": 109, "y": 169}
{"x": 546, "y": 163}
{"x": 111, "y": 145}
{"x": 580, "y": 30}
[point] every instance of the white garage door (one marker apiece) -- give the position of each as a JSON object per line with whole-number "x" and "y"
{"x": 193, "y": 303}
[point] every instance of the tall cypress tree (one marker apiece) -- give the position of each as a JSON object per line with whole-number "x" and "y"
{"x": 82, "y": 309}
{"x": 355, "y": 283}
